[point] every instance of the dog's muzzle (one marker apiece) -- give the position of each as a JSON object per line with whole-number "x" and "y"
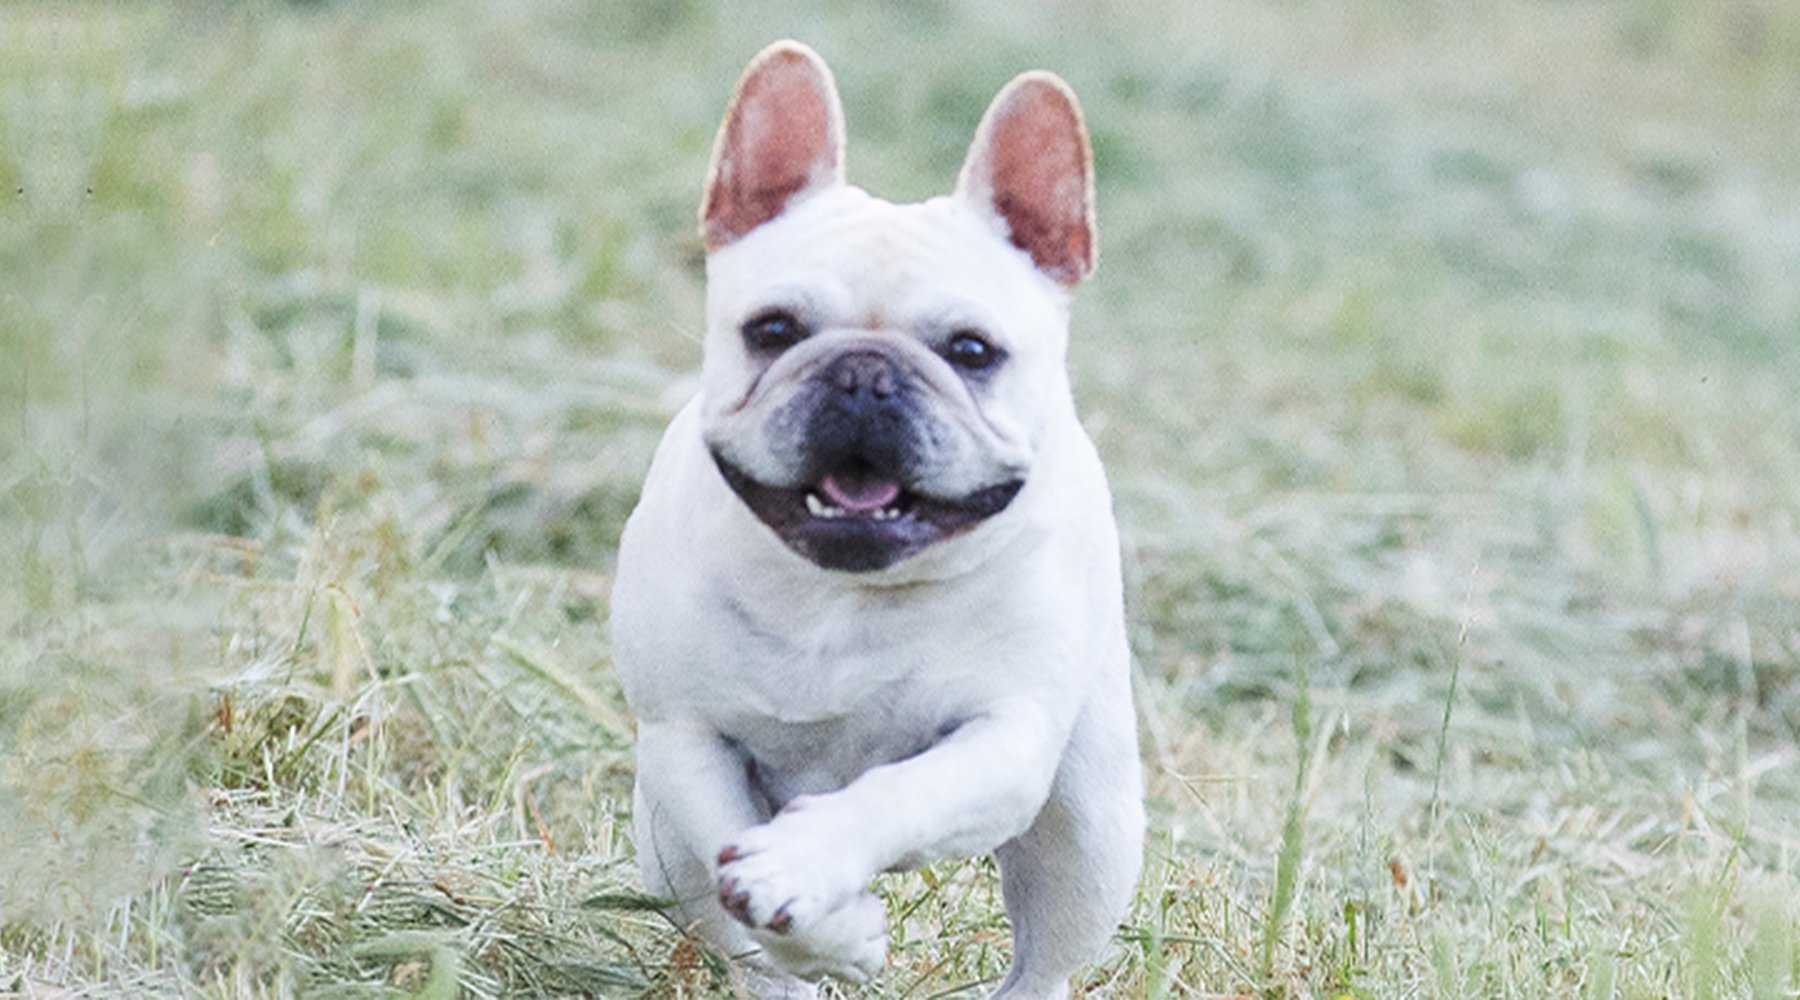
{"x": 863, "y": 440}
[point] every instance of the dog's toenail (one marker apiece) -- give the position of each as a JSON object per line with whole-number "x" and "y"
{"x": 729, "y": 854}
{"x": 782, "y": 922}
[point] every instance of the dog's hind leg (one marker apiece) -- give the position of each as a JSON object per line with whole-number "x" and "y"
{"x": 1069, "y": 878}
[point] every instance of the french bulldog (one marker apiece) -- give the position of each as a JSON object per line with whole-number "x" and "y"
{"x": 868, "y": 610}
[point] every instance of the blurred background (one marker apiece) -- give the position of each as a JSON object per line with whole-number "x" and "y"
{"x": 1444, "y": 357}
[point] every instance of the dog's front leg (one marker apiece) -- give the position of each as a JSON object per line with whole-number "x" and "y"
{"x": 692, "y": 784}
{"x": 693, "y": 795}
{"x": 975, "y": 789}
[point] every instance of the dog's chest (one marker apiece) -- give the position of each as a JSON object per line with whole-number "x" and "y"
{"x": 797, "y": 659}
{"x": 813, "y": 725}
{"x": 813, "y": 705}
{"x": 811, "y": 758}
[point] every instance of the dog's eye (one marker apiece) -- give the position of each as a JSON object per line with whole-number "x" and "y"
{"x": 774, "y": 331}
{"x": 971, "y": 351}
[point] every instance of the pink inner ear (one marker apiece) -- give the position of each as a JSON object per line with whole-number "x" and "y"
{"x": 780, "y": 137}
{"x": 1037, "y": 165}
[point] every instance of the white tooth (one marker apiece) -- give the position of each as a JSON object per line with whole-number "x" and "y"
{"x": 819, "y": 508}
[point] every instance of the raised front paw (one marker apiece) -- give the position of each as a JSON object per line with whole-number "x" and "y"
{"x": 785, "y": 875}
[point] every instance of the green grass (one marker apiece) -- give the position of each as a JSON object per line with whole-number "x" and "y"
{"x": 1447, "y": 352}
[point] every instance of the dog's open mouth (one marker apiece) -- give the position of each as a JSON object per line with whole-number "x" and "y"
{"x": 855, "y": 493}
{"x": 858, "y": 520}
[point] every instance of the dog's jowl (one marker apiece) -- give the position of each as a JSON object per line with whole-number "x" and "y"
{"x": 868, "y": 610}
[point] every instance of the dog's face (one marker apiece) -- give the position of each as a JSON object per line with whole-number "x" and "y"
{"x": 877, "y": 376}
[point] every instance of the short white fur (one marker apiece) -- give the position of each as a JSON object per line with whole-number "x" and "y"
{"x": 802, "y": 730}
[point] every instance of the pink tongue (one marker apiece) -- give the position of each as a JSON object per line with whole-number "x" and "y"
{"x": 859, "y": 495}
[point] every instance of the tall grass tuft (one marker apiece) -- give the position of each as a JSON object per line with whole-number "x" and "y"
{"x": 1773, "y": 950}
{"x": 1293, "y": 827}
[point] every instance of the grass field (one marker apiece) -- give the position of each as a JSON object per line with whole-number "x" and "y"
{"x": 1444, "y": 356}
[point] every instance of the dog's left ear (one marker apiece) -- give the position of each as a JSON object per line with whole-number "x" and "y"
{"x": 782, "y": 137}
{"x": 1031, "y": 168}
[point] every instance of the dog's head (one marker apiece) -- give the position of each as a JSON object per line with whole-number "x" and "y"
{"x": 878, "y": 377}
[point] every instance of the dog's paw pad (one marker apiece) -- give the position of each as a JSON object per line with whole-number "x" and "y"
{"x": 784, "y": 875}
{"x": 761, "y": 892}
{"x": 735, "y": 901}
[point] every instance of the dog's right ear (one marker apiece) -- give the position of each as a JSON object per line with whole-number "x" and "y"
{"x": 783, "y": 136}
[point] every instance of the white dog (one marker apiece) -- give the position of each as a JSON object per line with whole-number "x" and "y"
{"x": 868, "y": 610}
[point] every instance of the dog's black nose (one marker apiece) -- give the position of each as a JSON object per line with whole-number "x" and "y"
{"x": 864, "y": 373}
{"x": 863, "y": 412}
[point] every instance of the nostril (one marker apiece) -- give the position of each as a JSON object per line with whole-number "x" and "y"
{"x": 860, "y": 374}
